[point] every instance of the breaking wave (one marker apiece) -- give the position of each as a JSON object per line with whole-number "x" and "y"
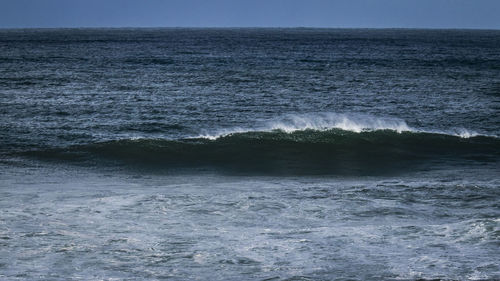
{"x": 304, "y": 148}
{"x": 326, "y": 121}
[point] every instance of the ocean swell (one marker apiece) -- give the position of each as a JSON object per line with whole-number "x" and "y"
{"x": 307, "y": 151}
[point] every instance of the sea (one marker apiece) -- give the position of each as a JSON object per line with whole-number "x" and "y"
{"x": 249, "y": 154}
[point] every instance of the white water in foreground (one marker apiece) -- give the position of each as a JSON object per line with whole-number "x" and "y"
{"x": 72, "y": 224}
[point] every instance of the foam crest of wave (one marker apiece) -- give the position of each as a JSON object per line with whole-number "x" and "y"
{"x": 320, "y": 122}
{"x": 326, "y": 121}
{"x": 464, "y": 133}
{"x": 224, "y": 132}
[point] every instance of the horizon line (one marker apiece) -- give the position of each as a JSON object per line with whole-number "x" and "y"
{"x": 246, "y": 27}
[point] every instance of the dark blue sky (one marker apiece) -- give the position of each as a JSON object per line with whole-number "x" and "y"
{"x": 250, "y": 13}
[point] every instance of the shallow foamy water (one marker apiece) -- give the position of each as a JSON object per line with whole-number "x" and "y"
{"x": 82, "y": 224}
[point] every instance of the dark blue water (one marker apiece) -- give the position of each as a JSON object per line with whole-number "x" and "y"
{"x": 249, "y": 154}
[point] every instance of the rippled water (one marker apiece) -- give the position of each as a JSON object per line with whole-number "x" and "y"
{"x": 105, "y": 226}
{"x": 96, "y": 226}
{"x": 249, "y": 154}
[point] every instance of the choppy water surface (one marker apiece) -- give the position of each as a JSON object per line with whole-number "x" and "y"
{"x": 218, "y": 228}
{"x": 249, "y": 154}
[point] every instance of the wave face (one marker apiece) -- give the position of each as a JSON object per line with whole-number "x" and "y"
{"x": 332, "y": 151}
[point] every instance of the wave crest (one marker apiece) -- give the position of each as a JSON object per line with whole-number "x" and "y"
{"x": 326, "y": 121}
{"x": 307, "y": 151}
{"x": 356, "y": 123}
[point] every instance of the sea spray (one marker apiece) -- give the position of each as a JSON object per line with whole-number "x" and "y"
{"x": 324, "y": 121}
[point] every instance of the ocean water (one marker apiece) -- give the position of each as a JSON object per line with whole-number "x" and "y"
{"x": 249, "y": 154}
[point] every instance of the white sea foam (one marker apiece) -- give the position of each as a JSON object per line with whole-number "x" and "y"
{"x": 224, "y": 132}
{"x": 326, "y": 121}
{"x": 464, "y": 133}
{"x": 319, "y": 121}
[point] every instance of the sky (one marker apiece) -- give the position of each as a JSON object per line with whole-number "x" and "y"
{"x": 481, "y": 14}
